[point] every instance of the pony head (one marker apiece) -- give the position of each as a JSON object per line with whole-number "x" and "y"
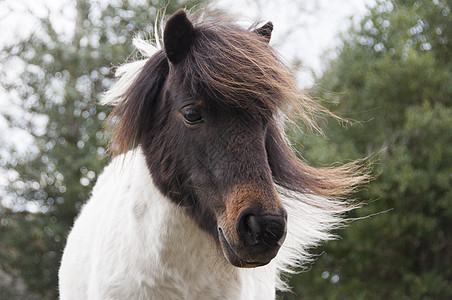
{"x": 206, "y": 111}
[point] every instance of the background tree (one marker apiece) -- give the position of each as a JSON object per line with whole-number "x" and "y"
{"x": 394, "y": 76}
{"x": 59, "y": 89}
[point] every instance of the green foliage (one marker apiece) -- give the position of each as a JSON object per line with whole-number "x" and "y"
{"x": 394, "y": 77}
{"x": 61, "y": 83}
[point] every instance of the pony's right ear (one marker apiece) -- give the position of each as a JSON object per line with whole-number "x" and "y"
{"x": 178, "y": 36}
{"x": 265, "y": 31}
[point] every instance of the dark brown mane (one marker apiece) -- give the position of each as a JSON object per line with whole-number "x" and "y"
{"x": 125, "y": 121}
{"x": 238, "y": 67}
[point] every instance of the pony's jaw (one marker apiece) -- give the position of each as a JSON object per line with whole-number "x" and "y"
{"x": 234, "y": 259}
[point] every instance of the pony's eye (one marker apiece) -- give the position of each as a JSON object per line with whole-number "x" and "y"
{"x": 192, "y": 116}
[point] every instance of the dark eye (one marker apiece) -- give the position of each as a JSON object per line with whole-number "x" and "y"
{"x": 191, "y": 116}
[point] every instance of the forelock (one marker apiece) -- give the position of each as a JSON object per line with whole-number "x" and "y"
{"x": 238, "y": 68}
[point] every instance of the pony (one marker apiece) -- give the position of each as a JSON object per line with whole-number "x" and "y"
{"x": 204, "y": 198}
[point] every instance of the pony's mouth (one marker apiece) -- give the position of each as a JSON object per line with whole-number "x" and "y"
{"x": 233, "y": 258}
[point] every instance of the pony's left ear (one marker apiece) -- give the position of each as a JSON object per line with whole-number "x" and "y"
{"x": 178, "y": 36}
{"x": 265, "y": 31}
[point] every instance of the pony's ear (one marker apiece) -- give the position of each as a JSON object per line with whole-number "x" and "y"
{"x": 265, "y": 31}
{"x": 178, "y": 36}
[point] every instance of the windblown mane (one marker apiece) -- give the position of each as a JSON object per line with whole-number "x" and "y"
{"x": 242, "y": 71}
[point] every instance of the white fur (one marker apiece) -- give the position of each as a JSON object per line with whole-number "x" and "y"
{"x": 131, "y": 242}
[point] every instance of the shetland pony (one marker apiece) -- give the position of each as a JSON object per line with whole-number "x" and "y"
{"x": 204, "y": 198}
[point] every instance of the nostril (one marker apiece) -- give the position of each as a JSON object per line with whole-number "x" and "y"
{"x": 248, "y": 229}
{"x": 253, "y": 228}
{"x": 273, "y": 233}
